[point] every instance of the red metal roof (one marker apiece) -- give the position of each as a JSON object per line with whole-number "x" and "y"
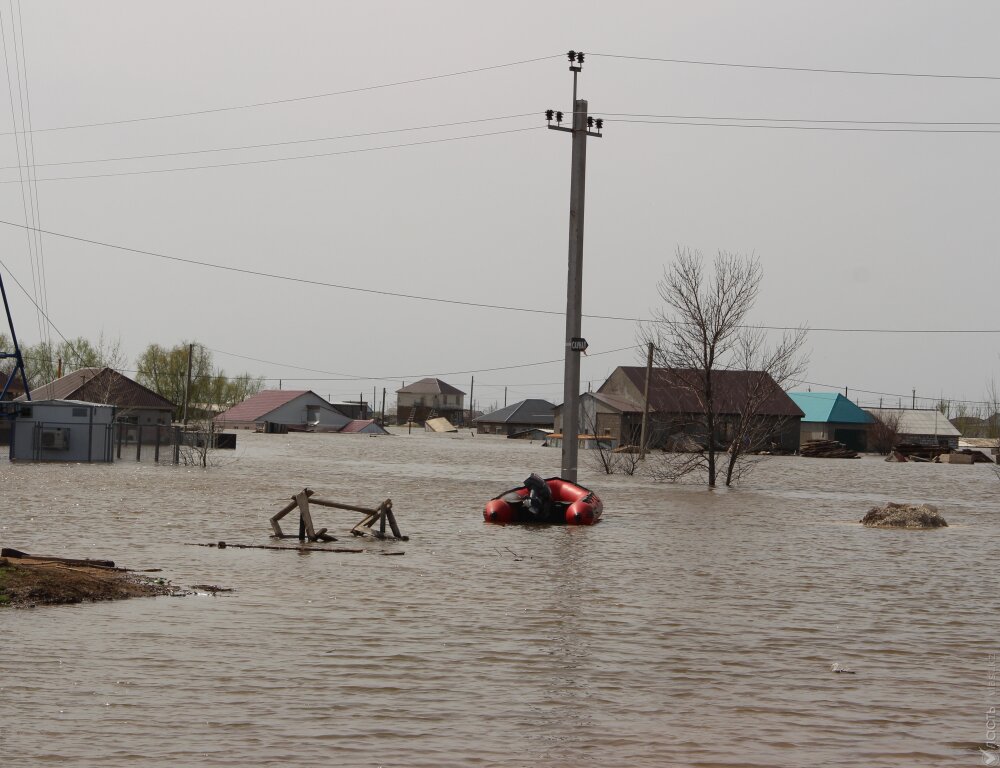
{"x": 357, "y": 425}
{"x": 256, "y": 407}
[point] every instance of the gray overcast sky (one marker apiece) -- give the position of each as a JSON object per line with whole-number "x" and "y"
{"x": 854, "y": 229}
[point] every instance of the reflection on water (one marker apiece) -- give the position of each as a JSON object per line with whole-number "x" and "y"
{"x": 688, "y": 628}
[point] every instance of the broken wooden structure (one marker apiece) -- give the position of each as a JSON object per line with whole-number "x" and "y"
{"x": 382, "y": 514}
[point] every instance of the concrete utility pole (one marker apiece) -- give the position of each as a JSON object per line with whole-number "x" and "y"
{"x": 575, "y": 343}
{"x": 645, "y": 403}
{"x": 187, "y": 385}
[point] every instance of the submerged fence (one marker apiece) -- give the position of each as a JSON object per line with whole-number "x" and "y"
{"x": 161, "y": 443}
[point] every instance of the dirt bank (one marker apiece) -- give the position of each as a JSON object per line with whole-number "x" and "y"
{"x": 39, "y": 581}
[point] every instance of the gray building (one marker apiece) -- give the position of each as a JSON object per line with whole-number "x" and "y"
{"x": 517, "y": 418}
{"x": 929, "y": 428}
{"x": 281, "y": 409}
{"x": 62, "y": 430}
{"x": 429, "y": 397}
{"x": 134, "y": 403}
{"x": 614, "y": 412}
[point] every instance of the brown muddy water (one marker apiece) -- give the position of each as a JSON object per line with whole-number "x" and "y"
{"x": 688, "y": 628}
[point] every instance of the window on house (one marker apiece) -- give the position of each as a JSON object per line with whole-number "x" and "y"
{"x": 79, "y": 413}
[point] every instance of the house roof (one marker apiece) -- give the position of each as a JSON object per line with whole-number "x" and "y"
{"x": 361, "y": 425}
{"x": 430, "y": 386}
{"x": 101, "y": 385}
{"x": 618, "y": 402}
{"x": 531, "y": 411}
{"x": 668, "y": 392}
{"x": 919, "y": 422}
{"x": 257, "y": 406}
{"x": 829, "y": 407}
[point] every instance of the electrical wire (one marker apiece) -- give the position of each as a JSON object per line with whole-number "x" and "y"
{"x": 802, "y": 119}
{"x": 859, "y": 129}
{"x": 25, "y": 196}
{"x": 295, "y": 99}
{"x": 820, "y": 70}
{"x": 464, "y": 303}
{"x": 29, "y": 149}
{"x": 286, "y": 159}
{"x": 398, "y": 377}
{"x": 275, "y": 143}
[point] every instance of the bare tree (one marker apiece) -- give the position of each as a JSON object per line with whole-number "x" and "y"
{"x": 884, "y": 431}
{"x": 611, "y": 460}
{"x": 701, "y": 330}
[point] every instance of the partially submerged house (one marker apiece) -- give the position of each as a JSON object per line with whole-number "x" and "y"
{"x": 429, "y": 397}
{"x": 831, "y": 416}
{"x": 918, "y": 426}
{"x": 62, "y": 430}
{"x": 363, "y": 427}
{"x": 517, "y": 418}
{"x": 277, "y": 410}
{"x": 134, "y": 403}
{"x": 614, "y": 412}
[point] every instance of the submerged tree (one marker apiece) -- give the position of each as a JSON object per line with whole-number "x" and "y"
{"x": 702, "y": 330}
{"x": 165, "y": 371}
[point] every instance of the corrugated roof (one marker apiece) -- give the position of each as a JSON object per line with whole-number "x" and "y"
{"x": 531, "y": 411}
{"x": 254, "y": 408}
{"x": 829, "y": 407}
{"x": 430, "y": 386}
{"x": 670, "y": 393}
{"x": 101, "y": 385}
{"x": 919, "y": 422}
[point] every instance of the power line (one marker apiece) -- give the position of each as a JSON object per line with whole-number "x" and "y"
{"x": 858, "y": 129}
{"x": 293, "y": 99}
{"x": 803, "y": 119}
{"x": 285, "y": 159}
{"x": 897, "y": 395}
{"x": 274, "y": 143}
{"x": 48, "y": 319}
{"x": 398, "y": 377}
{"x": 821, "y": 70}
{"x": 464, "y": 303}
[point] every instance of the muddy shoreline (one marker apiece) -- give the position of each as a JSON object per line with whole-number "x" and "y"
{"x": 29, "y": 582}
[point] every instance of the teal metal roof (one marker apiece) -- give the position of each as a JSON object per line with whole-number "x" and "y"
{"x": 829, "y": 407}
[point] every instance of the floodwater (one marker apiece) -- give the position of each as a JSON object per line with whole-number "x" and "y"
{"x": 688, "y": 628}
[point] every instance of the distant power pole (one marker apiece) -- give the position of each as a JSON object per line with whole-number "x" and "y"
{"x": 645, "y": 403}
{"x": 583, "y": 126}
{"x": 187, "y": 386}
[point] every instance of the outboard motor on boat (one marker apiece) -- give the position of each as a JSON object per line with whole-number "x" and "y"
{"x": 539, "y": 498}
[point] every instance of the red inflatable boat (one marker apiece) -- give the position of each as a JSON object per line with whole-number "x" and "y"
{"x": 565, "y": 503}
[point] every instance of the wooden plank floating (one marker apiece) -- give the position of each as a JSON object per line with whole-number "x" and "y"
{"x": 7, "y": 552}
{"x": 302, "y": 548}
{"x": 303, "y": 500}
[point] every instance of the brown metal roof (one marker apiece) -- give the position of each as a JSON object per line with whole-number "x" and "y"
{"x": 670, "y": 391}
{"x": 430, "y": 386}
{"x": 101, "y": 385}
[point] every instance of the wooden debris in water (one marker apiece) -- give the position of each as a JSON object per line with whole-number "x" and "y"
{"x": 382, "y": 515}
{"x": 827, "y": 449}
{"x": 300, "y": 548}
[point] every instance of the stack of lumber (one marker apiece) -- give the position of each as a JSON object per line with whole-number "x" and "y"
{"x": 827, "y": 449}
